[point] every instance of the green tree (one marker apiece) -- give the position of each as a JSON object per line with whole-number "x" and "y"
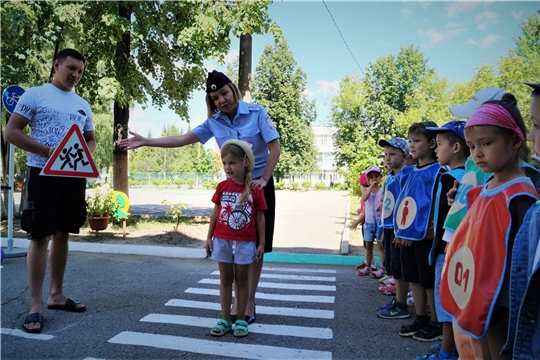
{"x": 278, "y": 86}
{"x": 137, "y": 51}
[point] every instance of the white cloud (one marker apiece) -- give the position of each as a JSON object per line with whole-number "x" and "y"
{"x": 435, "y": 36}
{"x": 136, "y": 114}
{"x": 405, "y": 12}
{"x": 486, "y": 18}
{"x": 517, "y": 15}
{"x": 232, "y": 55}
{"x": 308, "y": 93}
{"x": 454, "y": 25}
{"x": 327, "y": 87}
{"x": 485, "y": 42}
{"x": 455, "y": 8}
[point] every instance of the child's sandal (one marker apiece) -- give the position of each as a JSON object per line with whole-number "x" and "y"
{"x": 240, "y": 328}
{"x": 222, "y": 327}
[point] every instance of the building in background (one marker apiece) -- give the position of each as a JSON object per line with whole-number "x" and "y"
{"x": 325, "y": 149}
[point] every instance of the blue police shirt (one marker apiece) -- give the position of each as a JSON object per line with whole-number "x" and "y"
{"x": 251, "y": 124}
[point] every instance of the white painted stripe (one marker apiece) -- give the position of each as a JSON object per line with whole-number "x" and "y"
{"x": 280, "y": 297}
{"x": 269, "y": 310}
{"x": 275, "y": 285}
{"x": 221, "y": 348}
{"x": 21, "y": 333}
{"x": 292, "y": 277}
{"x": 327, "y": 271}
{"x": 280, "y": 330}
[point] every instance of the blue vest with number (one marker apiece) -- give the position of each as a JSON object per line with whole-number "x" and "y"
{"x": 391, "y": 192}
{"x": 414, "y": 204}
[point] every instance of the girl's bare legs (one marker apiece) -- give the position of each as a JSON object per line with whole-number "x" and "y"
{"x": 369, "y": 252}
{"x": 380, "y": 247}
{"x": 226, "y": 277}
{"x": 241, "y": 275}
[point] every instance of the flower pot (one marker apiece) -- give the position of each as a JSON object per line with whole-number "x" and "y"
{"x": 98, "y": 222}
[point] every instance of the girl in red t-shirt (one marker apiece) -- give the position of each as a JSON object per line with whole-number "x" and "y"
{"x": 237, "y": 221}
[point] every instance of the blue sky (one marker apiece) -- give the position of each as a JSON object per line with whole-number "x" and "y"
{"x": 456, "y": 37}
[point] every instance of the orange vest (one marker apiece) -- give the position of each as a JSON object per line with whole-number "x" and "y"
{"x": 473, "y": 272}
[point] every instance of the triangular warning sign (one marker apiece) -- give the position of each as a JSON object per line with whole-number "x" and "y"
{"x": 71, "y": 158}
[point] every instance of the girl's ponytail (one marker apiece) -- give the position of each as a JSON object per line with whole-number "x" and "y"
{"x": 247, "y": 186}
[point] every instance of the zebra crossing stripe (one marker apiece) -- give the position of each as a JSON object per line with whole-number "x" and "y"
{"x": 219, "y": 348}
{"x": 275, "y": 285}
{"x": 23, "y": 334}
{"x": 280, "y": 330}
{"x": 292, "y": 277}
{"x": 279, "y": 297}
{"x": 328, "y": 271}
{"x": 269, "y": 310}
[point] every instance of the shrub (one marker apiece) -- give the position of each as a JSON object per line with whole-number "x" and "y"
{"x": 214, "y": 183}
{"x": 207, "y": 185}
{"x": 175, "y": 211}
{"x": 320, "y": 185}
{"x": 179, "y": 182}
{"x": 190, "y": 183}
{"x": 156, "y": 182}
{"x": 280, "y": 185}
{"x": 306, "y": 184}
{"x": 295, "y": 186}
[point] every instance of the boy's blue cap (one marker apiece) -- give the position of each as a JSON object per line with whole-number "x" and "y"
{"x": 455, "y": 126}
{"x": 397, "y": 142}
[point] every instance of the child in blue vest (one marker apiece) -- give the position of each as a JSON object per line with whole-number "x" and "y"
{"x": 396, "y": 151}
{"x": 413, "y": 225}
{"x": 452, "y": 152}
{"x": 523, "y": 340}
{"x": 475, "y": 283}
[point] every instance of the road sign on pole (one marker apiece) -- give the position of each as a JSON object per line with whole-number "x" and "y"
{"x": 11, "y": 96}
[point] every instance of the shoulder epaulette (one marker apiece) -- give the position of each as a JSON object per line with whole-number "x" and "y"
{"x": 253, "y": 107}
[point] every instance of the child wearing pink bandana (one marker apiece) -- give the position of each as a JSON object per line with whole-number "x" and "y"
{"x": 475, "y": 280}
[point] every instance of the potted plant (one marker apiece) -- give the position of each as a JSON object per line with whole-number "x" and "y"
{"x": 100, "y": 205}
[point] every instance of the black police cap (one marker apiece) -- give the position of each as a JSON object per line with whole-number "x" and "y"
{"x": 216, "y": 80}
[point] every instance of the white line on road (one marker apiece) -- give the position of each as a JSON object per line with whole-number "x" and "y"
{"x": 221, "y": 348}
{"x": 328, "y": 271}
{"x": 280, "y": 297}
{"x": 280, "y": 330}
{"x": 20, "y": 333}
{"x": 292, "y": 277}
{"x": 275, "y": 285}
{"x": 269, "y": 310}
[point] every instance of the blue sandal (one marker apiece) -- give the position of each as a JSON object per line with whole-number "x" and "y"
{"x": 222, "y": 327}
{"x": 240, "y": 328}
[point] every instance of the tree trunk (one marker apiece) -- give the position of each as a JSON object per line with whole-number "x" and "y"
{"x": 244, "y": 67}
{"x": 121, "y": 111}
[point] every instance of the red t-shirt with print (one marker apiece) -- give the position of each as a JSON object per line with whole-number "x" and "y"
{"x": 235, "y": 221}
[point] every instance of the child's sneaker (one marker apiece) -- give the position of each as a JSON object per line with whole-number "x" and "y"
{"x": 377, "y": 274}
{"x": 411, "y": 329}
{"x": 431, "y": 332}
{"x": 360, "y": 266}
{"x": 391, "y": 280}
{"x": 435, "y": 348}
{"x": 410, "y": 301}
{"x": 390, "y": 290}
{"x": 365, "y": 271}
{"x": 395, "y": 312}
{"x": 385, "y": 278}
{"x": 387, "y": 306}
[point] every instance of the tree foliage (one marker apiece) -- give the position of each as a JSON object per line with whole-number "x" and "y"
{"x": 278, "y": 86}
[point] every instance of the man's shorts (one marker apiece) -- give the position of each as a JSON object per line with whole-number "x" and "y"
{"x": 371, "y": 231}
{"x": 58, "y": 203}
{"x": 232, "y": 251}
{"x": 414, "y": 263}
{"x": 442, "y": 315}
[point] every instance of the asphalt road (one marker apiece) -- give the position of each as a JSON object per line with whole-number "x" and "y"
{"x": 142, "y": 307}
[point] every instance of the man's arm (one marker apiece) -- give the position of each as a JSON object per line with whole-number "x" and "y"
{"x": 15, "y": 135}
{"x": 90, "y": 139}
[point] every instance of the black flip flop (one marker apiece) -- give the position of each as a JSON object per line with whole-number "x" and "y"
{"x": 70, "y": 305}
{"x": 33, "y": 318}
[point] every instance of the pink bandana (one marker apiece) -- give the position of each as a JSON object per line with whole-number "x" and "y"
{"x": 494, "y": 115}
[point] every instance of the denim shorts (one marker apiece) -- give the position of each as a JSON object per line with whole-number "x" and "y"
{"x": 371, "y": 231}
{"x": 232, "y": 251}
{"x": 442, "y": 315}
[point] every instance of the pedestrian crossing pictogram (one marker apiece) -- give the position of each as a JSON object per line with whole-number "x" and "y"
{"x": 71, "y": 158}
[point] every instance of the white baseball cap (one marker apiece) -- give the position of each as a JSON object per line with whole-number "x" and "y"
{"x": 481, "y": 96}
